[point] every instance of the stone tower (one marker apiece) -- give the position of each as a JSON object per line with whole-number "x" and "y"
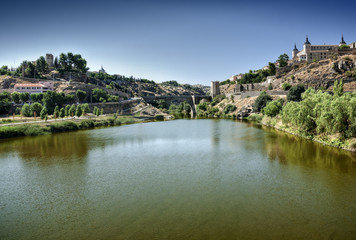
{"x": 215, "y": 89}
{"x": 49, "y": 60}
{"x": 342, "y": 40}
{"x": 307, "y": 48}
{"x": 295, "y": 51}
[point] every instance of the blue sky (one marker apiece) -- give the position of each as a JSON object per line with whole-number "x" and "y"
{"x": 188, "y": 41}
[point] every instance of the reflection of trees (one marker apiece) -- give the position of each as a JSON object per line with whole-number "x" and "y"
{"x": 291, "y": 149}
{"x": 49, "y": 148}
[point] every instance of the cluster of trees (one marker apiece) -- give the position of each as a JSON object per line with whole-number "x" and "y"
{"x": 207, "y": 109}
{"x": 116, "y": 77}
{"x": 100, "y": 95}
{"x": 181, "y": 110}
{"x": 71, "y": 63}
{"x": 314, "y": 112}
{"x": 259, "y": 75}
{"x": 4, "y": 70}
{"x": 66, "y": 63}
{"x": 171, "y": 83}
{"x": 37, "y": 109}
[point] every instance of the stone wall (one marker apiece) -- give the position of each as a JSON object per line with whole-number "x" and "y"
{"x": 113, "y": 107}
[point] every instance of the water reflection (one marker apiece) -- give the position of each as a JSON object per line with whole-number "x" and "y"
{"x": 290, "y": 149}
{"x": 48, "y": 149}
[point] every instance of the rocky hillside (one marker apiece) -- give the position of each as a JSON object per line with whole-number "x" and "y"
{"x": 321, "y": 74}
{"x": 123, "y": 87}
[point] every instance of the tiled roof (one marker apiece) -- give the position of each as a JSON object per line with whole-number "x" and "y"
{"x": 29, "y": 85}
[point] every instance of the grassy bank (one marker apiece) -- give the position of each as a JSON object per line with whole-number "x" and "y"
{"x": 62, "y": 126}
{"x": 334, "y": 140}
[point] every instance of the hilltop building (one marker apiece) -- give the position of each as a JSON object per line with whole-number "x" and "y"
{"x": 49, "y": 60}
{"x": 320, "y": 52}
{"x": 215, "y": 89}
{"x": 102, "y": 70}
{"x": 40, "y": 87}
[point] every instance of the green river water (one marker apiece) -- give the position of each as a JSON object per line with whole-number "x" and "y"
{"x": 182, "y": 179}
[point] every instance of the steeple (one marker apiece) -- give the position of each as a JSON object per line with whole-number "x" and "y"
{"x": 342, "y": 40}
{"x": 295, "y": 47}
{"x": 307, "y": 40}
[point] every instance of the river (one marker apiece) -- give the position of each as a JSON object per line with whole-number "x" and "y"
{"x": 182, "y": 179}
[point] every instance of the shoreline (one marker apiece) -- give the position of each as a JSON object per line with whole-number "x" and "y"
{"x": 74, "y": 124}
{"x": 311, "y": 138}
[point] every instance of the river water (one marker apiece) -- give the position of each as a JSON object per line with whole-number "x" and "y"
{"x": 183, "y": 179}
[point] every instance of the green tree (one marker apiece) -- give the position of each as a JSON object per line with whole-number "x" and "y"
{"x": 26, "y": 111}
{"x": 81, "y": 95}
{"x": 5, "y": 105}
{"x": 25, "y": 96}
{"x": 98, "y": 94}
{"x": 52, "y": 99}
{"x": 30, "y": 69}
{"x": 95, "y": 109}
{"x": 62, "y": 113}
{"x": 295, "y": 93}
{"x": 272, "y": 69}
{"x": 102, "y": 111}
{"x": 35, "y": 108}
{"x": 66, "y": 110}
{"x": 85, "y": 108}
{"x": 261, "y": 101}
{"x": 41, "y": 65}
{"x": 338, "y": 88}
{"x": 56, "y": 112}
{"x": 15, "y": 97}
{"x": 79, "y": 111}
{"x": 286, "y": 86}
{"x": 36, "y": 97}
{"x": 273, "y": 108}
{"x": 44, "y": 113}
{"x": 283, "y": 60}
{"x": 72, "y": 110}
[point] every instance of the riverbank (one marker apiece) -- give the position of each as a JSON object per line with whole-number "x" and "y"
{"x": 73, "y": 124}
{"x": 329, "y": 140}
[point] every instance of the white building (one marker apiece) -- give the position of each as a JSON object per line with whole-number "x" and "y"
{"x": 33, "y": 87}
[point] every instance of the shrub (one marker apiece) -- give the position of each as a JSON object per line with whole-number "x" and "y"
{"x": 286, "y": 86}
{"x": 295, "y": 93}
{"x": 217, "y": 99}
{"x": 255, "y": 117}
{"x": 87, "y": 124}
{"x": 81, "y": 95}
{"x": 261, "y": 101}
{"x": 273, "y": 108}
{"x": 338, "y": 88}
{"x": 270, "y": 87}
{"x": 63, "y": 126}
{"x": 33, "y": 130}
{"x": 229, "y": 108}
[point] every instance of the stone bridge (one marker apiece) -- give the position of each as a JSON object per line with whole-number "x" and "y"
{"x": 193, "y": 100}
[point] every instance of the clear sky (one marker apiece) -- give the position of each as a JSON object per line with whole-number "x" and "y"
{"x": 188, "y": 41}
